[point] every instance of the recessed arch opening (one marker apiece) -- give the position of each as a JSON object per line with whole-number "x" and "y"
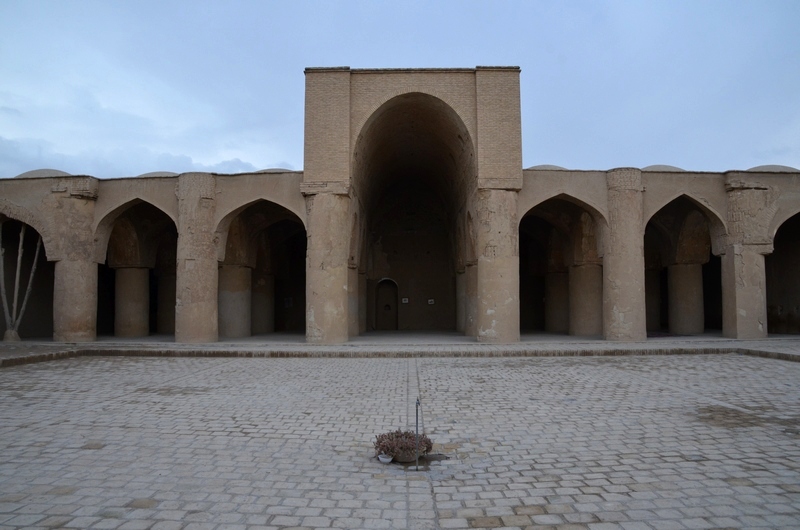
{"x": 136, "y": 280}
{"x": 683, "y": 278}
{"x": 783, "y": 279}
{"x": 386, "y": 305}
{"x": 33, "y": 319}
{"x": 561, "y": 273}
{"x": 413, "y": 175}
{"x": 261, "y": 272}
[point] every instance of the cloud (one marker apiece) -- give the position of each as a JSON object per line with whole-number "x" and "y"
{"x": 18, "y": 156}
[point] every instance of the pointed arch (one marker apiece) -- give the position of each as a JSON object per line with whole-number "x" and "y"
{"x": 105, "y": 225}
{"x": 781, "y": 216}
{"x": 23, "y": 215}
{"x": 586, "y": 204}
{"x": 782, "y": 280}
{"x": 683, "y": 282}
{"x": 413, "y": 169}
{"x": 561, "y": 281}
{"x": 225, "y": 219}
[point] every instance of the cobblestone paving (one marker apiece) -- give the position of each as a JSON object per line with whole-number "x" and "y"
{"x": 661, "y": 442}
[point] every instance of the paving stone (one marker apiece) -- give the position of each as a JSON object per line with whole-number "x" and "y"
{"x": 637, "y": 442}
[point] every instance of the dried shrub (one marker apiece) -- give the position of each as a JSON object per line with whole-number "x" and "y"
{"x": 402, "y": 445}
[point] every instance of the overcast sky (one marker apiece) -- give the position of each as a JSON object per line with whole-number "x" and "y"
{"x": 122, "y": 88}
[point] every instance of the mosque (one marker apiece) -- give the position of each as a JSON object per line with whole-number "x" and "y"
{"x": 413, "y": 212}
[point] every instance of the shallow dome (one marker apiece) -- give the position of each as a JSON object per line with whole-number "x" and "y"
{"x": 548, "y": 166}
{"x": 662, "y": 167}
{"x": 42, "y": 173}
{"x": 275, "y": 170}
{"x": 158, "y": 174}
{"x": 774, "y": 168}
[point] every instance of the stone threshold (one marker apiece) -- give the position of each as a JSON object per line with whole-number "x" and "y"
{"x": 388, "y": 352}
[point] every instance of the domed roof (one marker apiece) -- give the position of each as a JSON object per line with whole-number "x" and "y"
{"x": 774, "y": 167}
{"x": 662, "y": 167}
{"x": 42, "y": 173}
{"x": 548, "y": 166}
{"x": 158, "y": 174}
{"x": 275, "y": 170}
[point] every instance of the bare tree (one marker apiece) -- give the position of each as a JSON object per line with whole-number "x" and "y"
{"x": 13, "y": 318}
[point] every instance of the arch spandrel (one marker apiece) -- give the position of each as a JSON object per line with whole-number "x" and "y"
{"x": 706, "y": 190}
{"x": 21, "y": 214}
{"x": 586, "y": 189}
{"x": 115, "y": 196}
{"x": 235, "y": 193}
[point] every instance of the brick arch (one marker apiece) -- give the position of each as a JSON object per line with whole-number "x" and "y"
{"x": 443, "y": 123}
{"x": 782, "y": 215}
{"x": 782, "y": 282}
{"x": 13, "y": 211}
{"x": 461, "y": 106}
{"x": 718, "y": 228}
{"x": 103, "y": 228}
{"x": 585, "y": 203}
{"x": 713, "y": 215}
{"x": 226, "y": 218}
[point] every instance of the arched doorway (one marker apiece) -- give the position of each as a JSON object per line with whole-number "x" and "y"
{"x": 413, "y": 176}
{"x": 28, "y": 282}
{"x": 561, "y": 272}
{"x": 136, "y": 284}
{"x": 783, "y": 279}
{"x": 262, "y": 275}
{"x": 683, "y": 279}
{"x": 386, "y": 305}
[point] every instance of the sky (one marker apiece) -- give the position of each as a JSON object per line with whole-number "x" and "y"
{"x": 122, "y": 88}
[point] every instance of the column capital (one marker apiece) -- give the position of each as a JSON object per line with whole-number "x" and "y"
{"x": 624, "y": 179}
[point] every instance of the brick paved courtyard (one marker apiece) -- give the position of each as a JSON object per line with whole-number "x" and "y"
{"x": 661, "y": 442}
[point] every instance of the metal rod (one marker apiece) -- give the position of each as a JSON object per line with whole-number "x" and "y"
{"x": 16, "y": 278}
{"x": 416, "y": 414}
{"x": 30, "y": 285}
{"x": 6, "y": 311}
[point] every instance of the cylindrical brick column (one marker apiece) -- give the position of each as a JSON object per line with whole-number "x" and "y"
{"x": 624, "y": 313}
{"x": 132, "y": 302}
{"x": 326, "y": 268}
{"x": 556, "y": 302}
{"x": 686, "y": 311}
{"x": 652, "y": 280}
{"x": 235, "y": 295}
{"x": 75, "y": 301}
{"x": 586, "y": 299}
{"x": 498, "y": 267}
{"x": 165, "y": 318}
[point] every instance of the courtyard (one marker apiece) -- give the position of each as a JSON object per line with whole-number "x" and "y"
{"x": 629, "y": 442}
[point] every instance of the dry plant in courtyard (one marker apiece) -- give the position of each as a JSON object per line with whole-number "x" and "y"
{"x": 402, "y": 445}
